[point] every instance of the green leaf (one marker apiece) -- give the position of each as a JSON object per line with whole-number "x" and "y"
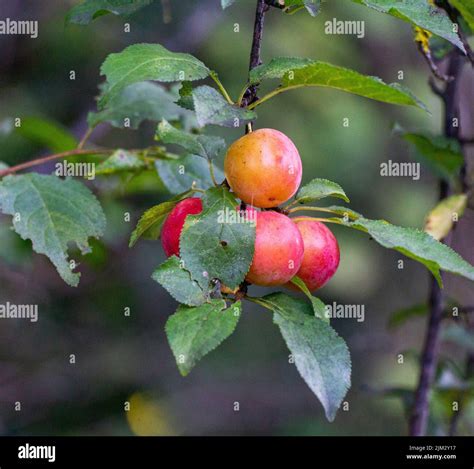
{"x": 281, "y": 303}
{"x": 318, "y": 189}
{"x": 312, "y": 6}
{"x": 216, "y": 245}
{"x": 194, "y": 332}
{"x": 318, "y": 306}
{"x": 89, "y": 10}
{"x": 418, "y": 13}
{"x": 416, "y": 245}
{"x": 150, "y": 223}
{"x": 442, "y": 154}
{"x": 3, "y": 166}
{"x": 178, "y": 175}
{"x": 345, "y": 212}
{"x": 456, "y": 334}
{"x": 278, "y": 67}
{"x": 141, "y": 62}
{"x": 466, "y": 8}
{"x": 186, "y": 96}
{"x": 173, "y": 277}
{"x": 138, "y": 102}
{"x": 403, "y": 315}
{"x": 296, "y": 73}
{"x": 440, "y": 220}
{"x": 53, "y": 213}
{"x": 47, "y": 133}
{"x": 439, "y": 48}
{"x": 321, "y": 356}
{"x": 202, "y": 145}
{"x": 212, "y": 108}
{"x": 120, "y": 161}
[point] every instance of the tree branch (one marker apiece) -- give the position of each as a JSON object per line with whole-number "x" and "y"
{"x": 250, "y": 94}
{"x": 429, "y": 360}
{"x": 280, "y": 4}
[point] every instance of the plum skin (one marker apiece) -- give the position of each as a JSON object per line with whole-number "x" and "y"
{"x": 321, "y": 254}
{"x": 278, "y": 250}
{"x": 174, "y": 223}
{"x": 263, "y": 168}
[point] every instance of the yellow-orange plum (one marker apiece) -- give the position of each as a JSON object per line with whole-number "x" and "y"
{"x": 263, "y": 168}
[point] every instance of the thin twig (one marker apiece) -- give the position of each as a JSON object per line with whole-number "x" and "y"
{"x": 337, "y": 221}
{"x": 221, "y": 87}
{"x": 433, "y": 65}
{"x": 293, "y": 10}
{"x": 304, "y": 208}
{"x": 85, "y": 137}
{"x": 56, "y": 156}
{"x": 212, "y": 173}
{"x": 273, "y": 93}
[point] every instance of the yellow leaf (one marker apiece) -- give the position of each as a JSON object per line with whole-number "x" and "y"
{"x": 422, "y": 36}
{"x": 146, "y": 417}
{"x": 440, "y": 220}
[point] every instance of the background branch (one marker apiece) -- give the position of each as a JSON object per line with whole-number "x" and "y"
{"x": 429, "y": 360}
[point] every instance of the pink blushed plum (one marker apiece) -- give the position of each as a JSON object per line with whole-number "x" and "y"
{"x": 278, "y": 250}
{"x": 174, "y": 223}
{"x": 321, "y": 253}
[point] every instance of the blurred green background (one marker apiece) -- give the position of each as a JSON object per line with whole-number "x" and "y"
{"x": 121, "y": 358}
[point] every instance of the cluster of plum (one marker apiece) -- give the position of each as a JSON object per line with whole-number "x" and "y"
{"x": 264, "y": 170}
